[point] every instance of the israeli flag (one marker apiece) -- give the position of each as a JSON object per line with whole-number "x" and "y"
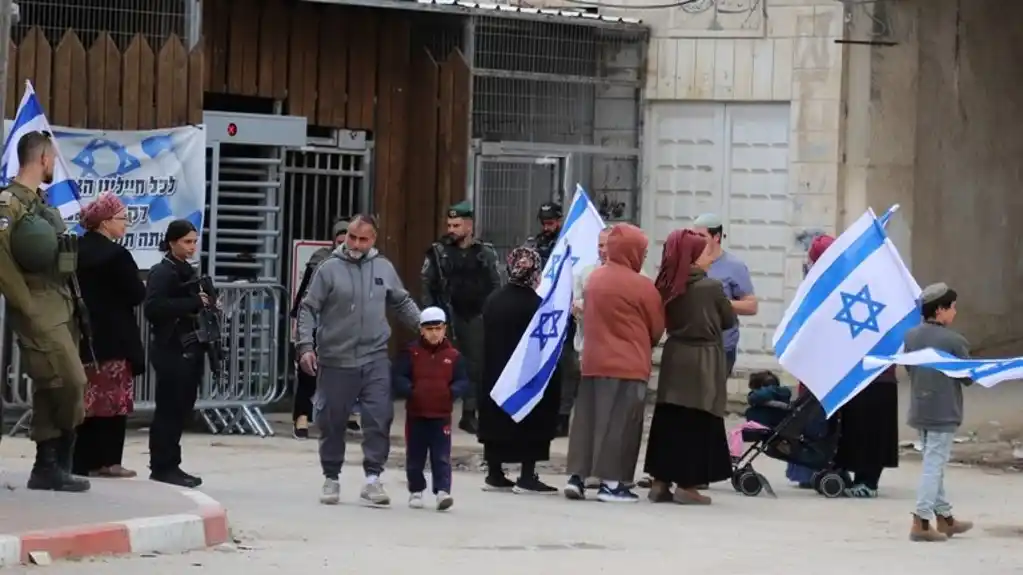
{"x": 527, "y": 373}
{"x": 857, "y": 300}
{"x": 63, "y": 192}
{"x": 525, "y": 377}
{"x": 985, "y": 372}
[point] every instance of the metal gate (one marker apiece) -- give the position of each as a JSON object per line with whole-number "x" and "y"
{"x": 246, "y": 152}
{"x": 324, "y": 181}
{"x": 509, "y": 191}
{"x": 243, "y": 242}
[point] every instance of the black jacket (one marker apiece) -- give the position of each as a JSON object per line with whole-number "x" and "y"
{"x": 172, "y": 303}
{"x": 112, "y": 290}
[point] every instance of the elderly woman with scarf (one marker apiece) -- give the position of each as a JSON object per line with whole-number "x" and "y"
{"x": 688, "y": 446}
{"x": 506, "y": 316}
{"x": 112, "y": 290}
{"x": 869, "y": 441}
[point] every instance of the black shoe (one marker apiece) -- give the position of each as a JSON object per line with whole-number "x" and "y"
{"x": 352, "y": 425}
{"x": 563, "y": 426}
{"x": 533, "y": 486}
{"x": 468, "y": 422}
{"x": 575, "y": 489}
{"x": 176, "y": 477}
{"x": 498, "y": 483}
{"x": 301, "y": 433}
{"x": 48, "y": 475}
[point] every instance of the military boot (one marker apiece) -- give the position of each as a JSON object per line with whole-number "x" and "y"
{"x": 66, "y": 451}
{"x": 48, "y": 473}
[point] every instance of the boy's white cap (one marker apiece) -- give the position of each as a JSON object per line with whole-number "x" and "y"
{"x": 432, "y": 315}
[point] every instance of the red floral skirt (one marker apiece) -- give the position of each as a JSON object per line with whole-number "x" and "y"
{"x": 110, "y": 391}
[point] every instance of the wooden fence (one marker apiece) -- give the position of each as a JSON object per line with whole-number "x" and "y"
{"x": 104, "y": 88}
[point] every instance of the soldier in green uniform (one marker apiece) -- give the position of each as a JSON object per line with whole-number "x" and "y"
{"x": 549, "y": 216}
{"x": 458, "y": 274}
{"x": 37, "y": 261}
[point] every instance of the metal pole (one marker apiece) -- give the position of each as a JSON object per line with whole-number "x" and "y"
{"x": 7, "y": 9}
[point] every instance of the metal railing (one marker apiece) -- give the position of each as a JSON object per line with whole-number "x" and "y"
{"x": 231, "y": 402}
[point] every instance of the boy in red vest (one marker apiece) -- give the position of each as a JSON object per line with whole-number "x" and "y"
{"x": 431, "y": 374}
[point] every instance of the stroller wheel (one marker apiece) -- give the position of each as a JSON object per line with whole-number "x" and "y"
{"x": 750, "y": 484}
{"x": 831, "y": 485}
{"x": 735, "y": 479}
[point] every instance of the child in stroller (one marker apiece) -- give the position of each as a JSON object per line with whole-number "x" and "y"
{"x": 768, "y": 404}
{"x": 801, "y": 435}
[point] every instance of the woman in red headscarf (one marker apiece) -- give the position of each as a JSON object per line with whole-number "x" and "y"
{"x": 112, "y": 290}
{"x": 687, "y": 446}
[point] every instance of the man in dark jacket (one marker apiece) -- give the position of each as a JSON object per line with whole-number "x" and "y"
{"x": 431, "y": 373}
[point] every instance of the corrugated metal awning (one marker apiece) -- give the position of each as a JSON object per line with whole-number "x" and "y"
{"x": 491, "y": 9}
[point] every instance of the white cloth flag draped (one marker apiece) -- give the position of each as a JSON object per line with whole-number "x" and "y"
{"x": 63, "y": 192}
{"x": 525, "y": 377}
{"x": 858, "y": 299}
{"x": 986, "y": 372}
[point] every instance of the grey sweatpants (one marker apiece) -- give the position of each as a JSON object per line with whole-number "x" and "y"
{"x": 337, "y": 389}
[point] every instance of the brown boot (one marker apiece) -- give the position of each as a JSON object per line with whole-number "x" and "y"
{"x": 922, "y": 530}
{"x": 690, "y": 496}
{"x": 950, "y": 526}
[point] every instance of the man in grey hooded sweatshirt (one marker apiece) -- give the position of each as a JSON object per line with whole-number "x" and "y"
{"x": 346, "y": 305}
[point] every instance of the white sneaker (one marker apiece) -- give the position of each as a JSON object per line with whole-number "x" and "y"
{"x": 415, "y": 500}
{"x": 331, "y": 493}
{"x": 375, "y": 494}
{"x": 444, "y": 501}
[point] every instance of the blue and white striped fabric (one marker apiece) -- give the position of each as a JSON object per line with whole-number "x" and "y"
{"x": 858, "y": 299}
{"x": 63, "y": 193}
{"x": 525, "y": 377}
{"x": 985, "y": 372}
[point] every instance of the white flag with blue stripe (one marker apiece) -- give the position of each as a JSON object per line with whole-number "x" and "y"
{"x": 985, "y": 372}
{"x": 63, "y": 192}
{"x": 525, "y": 377}
{"x": 858, "y": 299}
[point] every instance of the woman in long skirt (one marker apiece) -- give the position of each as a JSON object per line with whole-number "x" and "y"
{"x": 688, "y": 446}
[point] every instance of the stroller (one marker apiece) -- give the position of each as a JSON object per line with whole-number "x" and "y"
{"x": 805, "y": 437}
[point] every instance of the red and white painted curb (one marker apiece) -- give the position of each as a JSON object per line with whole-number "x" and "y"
{"x": 206, "y": 527}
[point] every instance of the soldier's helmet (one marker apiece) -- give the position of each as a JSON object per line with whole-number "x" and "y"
{"x": 33, "y": 244}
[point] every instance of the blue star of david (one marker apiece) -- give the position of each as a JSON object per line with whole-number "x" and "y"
{"x": 555, "y": 260}
{"x": 547, "y": 328}
{"x": 86, "y": 159}
{"x": 845, "y": 315}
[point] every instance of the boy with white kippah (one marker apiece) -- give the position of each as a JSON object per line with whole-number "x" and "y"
{"x": 431, "y": 374}
{"x": 936, "y": 412}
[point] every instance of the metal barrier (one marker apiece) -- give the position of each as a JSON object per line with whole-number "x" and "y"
{"x": 250, "y": 376}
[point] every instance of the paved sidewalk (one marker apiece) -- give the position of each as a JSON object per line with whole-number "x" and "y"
{"x": 117, "y": 516}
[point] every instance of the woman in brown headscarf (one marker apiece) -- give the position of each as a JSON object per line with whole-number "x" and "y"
{"x": 688, "y": 446}
{"x": 111, "y": 289}
{"x": 507, "y": 314}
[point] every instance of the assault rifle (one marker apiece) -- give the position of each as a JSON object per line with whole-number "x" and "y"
{"x": 208, "y": 328}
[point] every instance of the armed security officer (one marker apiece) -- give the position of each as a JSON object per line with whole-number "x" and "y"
{"x": 550, "y": 226}
{"x": 458, "y": 274}
{"x": 37, "y": 261}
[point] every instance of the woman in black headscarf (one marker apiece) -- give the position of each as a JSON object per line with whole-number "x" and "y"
{"x": 506, "y": 316}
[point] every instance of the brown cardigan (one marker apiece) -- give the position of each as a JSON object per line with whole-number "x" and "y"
{"x": 693, "y": 367}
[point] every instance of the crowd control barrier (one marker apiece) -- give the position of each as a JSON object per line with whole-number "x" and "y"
{"x": 230, "y": 402}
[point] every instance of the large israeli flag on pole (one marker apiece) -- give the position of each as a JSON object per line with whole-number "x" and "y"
{"x": 522, "y": 383}
{"x": 63, "y": 192}
{"x": 858, "y": 299}
{"x": 985, "y": 372}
